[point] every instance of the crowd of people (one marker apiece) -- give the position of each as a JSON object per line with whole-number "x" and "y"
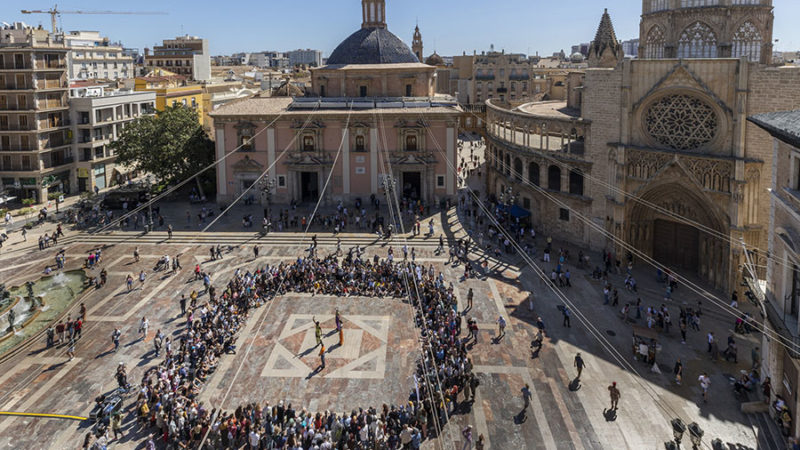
{"x": 167, "y": 404}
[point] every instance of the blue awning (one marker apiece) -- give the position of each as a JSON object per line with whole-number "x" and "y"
{"x": 519, "y": 212}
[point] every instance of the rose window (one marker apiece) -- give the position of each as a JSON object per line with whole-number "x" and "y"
{"x": 681, "y": 122}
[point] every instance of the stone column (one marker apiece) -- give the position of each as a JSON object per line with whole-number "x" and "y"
{"x": 346, "y": 162}
{"x": 222, "y": 175}
{"x": 451, "y": 155}
{"x": 373, "y": 159}
{"x": 271, "y": 152}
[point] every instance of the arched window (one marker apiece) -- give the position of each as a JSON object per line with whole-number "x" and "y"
{"x": 360, "y": 146}
{"x": 747, "y": 42}
{"x": 575, "y": 182}
{"x": 533, "y": 174}
{"x": 411, "y": 143}
{"x": 518, "y": 169}
{"x": 658, "y": 5}
{"x": 697, "y": 41}
{"x": 654, "y": 45}
{"x": 554, "y": 178}
{"x": 308, "y": 143}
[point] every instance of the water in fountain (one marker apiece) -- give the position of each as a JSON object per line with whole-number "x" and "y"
{"x": 56, "y": 291}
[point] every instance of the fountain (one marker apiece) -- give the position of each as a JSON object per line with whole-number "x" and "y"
{"x": 26, "y": 310}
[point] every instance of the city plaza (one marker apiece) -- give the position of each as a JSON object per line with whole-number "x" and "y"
{"x": 373, "y": 134}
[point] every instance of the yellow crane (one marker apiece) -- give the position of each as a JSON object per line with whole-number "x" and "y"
{"x": 55, "y": 12}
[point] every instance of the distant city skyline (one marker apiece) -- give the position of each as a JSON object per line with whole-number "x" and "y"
{"x": 448, "y": 26}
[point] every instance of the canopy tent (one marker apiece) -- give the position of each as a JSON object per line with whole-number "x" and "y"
{"x": 516, "y": 211}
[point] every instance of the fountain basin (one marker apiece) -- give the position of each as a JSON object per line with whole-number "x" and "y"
{"x": 53, "y": 295}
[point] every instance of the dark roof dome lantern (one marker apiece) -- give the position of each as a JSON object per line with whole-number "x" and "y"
{"x": 373, "y": 43}
{"x": 374, "y": 13}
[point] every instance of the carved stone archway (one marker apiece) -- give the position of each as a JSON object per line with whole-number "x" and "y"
{"x": 675, "y": 243}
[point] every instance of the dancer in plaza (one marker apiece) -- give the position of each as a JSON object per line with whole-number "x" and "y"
{"x": 614, "y": 393}
{"x": 317, "y": 332}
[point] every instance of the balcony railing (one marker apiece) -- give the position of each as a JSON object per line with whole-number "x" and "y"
{"x": 15, "y": 128}
{"x": 17, "y": 168}
{"x": 19, "y": 148}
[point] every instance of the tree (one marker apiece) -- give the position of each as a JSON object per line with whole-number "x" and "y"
{"x": 172, "y": 145}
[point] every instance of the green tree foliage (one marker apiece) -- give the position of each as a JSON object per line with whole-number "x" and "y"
{"x": 171, "y": 145}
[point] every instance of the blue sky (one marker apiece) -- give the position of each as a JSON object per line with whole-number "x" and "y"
{"x": 448, "y": 26}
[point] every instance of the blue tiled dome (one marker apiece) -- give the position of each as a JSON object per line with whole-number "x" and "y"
{"x": 372, "y": 46}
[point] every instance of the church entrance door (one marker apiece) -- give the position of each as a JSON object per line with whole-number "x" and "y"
{"x": 309, "y": 186}
{"x": 676, "y": 245}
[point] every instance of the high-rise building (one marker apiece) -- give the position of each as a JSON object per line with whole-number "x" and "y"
{"x": 307, "y": 57}
{"x": 184, "y": 55}
{"x": 92, "y": 56}
{"x": 35, "y": 136}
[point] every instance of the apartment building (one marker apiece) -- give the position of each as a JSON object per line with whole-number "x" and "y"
{"x": 184, "y": 55}
{"x": 92, "y": 56}
{"x": 35, "y": 135}
{"x": 306, "y": 57}
{"x": 98, "y": 115}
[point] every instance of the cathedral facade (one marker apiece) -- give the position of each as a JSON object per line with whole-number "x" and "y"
{"x": 657, "y": 151}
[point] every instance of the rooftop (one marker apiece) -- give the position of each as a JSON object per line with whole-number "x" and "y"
{"x": 783, "y": 125}
{"x": 555, "y": 109}
{"x": 256, "y": 106}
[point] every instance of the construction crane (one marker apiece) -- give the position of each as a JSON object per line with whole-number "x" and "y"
{"x": 55, "y": 12}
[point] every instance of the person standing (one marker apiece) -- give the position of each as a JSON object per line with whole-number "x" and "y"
{"x": 115, "y": 338}
{"x": 158, "y": 340}
{"x": 566, "y": 312}
{"x": 710, "y": 338}
{"x": 579, "y": 364}
{"x": 678, "y": 371}
{"x": 143, "y": 325}
{"x": 129, "y": 282}
{"x": 142, "y": 277}
{"x": 705, "y": 383}
{"x": 255, "y": 252}
{"x": 116, "y": 425}
{"x": 526, "y": 397}
{"x": 183, "y": 304}
{"x": 501, "y": 327}
{"x": 467, "y": 434}
{"x": 136, "y": 254}
{"x": 322, "y": 356}
{"x": 470, "y": 296}
{"x": 614, "y": 393}
{"x": 71, "y": 349}
{"x": 317, "y": 332}
{"x": 169, "y": 231}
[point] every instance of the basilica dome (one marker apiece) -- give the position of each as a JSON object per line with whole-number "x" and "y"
{"x": 372, "y": 46}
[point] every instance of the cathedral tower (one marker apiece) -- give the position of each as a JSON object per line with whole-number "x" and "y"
{"x": 605, "y": 50}
{"x": 416, "y": 44}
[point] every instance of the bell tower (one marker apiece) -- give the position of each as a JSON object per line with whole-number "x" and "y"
{"x": 374, "y": 13}
{"x": 416, "y": 44}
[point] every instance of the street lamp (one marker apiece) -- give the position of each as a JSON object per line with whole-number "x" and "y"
{"x": 678, "y": 428}
{"x": 149, "y": 180}
{"x": 695, "y": 434}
